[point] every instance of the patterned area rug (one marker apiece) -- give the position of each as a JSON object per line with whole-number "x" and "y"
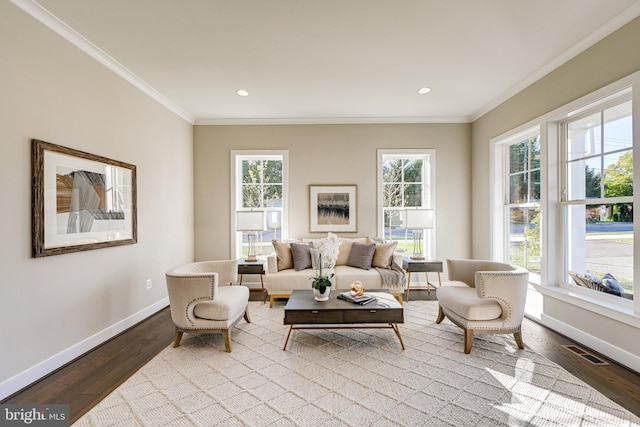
{"x": 353, "y": 378}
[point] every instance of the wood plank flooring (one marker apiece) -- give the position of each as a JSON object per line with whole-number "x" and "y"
{"x": 87, "y": 380}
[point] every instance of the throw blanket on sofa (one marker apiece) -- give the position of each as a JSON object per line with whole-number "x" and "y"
{"x": 393, "y": 276}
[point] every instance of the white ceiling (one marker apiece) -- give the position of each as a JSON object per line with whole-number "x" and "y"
{"x": 332, "y": 61}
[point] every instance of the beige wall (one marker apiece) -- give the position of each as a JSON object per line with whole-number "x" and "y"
{"x": 331, "y": 154}
{"x": 52, "y": 307}
{"x": 614, "y": 57}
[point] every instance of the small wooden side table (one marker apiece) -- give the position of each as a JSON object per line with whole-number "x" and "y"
{"x": 257, "y": 267}
{"x": 425, "y": 266}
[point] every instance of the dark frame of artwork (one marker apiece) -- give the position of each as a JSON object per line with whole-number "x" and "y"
{"x": 332, "y": 208}
{"x": 80, "y": 201}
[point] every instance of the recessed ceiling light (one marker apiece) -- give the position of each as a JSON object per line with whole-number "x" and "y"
{"x": 424, "y": 90}
{"x": 242, "y": 92}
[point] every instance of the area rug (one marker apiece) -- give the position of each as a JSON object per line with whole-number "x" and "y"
{"x": 353, "y": 378}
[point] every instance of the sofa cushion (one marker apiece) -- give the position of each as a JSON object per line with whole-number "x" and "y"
{"x": 361, "y": 255}
{"x": 383, "y": 255}
{"x": 283, "y": 282}
{"x": 345, "y": 276}
{"x": 283, "y": 255}
{"x": 300, "y": 252}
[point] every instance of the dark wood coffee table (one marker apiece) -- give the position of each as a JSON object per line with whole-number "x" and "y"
{"x": 303, "y": 312}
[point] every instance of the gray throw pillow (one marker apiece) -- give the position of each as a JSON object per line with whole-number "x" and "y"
{"x": 300, "y": 252}
{"x": 361, "y": 255}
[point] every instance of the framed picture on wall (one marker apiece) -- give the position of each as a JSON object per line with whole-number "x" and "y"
{"x": 81, "y": 201}
{"x": 332, "y": 208}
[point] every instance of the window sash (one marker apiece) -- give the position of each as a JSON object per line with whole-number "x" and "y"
{"x": 579, "y": 205}
{"x": 409, "y": 192}
{"x": 275, "y": 208}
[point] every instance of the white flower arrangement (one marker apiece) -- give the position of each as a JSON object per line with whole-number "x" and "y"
{"x": 329, "y": 250}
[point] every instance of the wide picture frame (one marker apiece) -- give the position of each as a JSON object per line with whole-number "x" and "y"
{"x": 333, "y": 208}
{"x": 81, "y": 201}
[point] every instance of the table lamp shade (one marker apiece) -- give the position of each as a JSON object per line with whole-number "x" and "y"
{"x": 250, "y": 220}
{"x": 418, "y": 218}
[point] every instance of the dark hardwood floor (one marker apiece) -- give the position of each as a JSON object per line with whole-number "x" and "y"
{"x": 88, "y": 379}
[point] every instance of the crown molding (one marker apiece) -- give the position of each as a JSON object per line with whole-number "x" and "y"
{"x": 328, "y": 120}
{"x": 614, "y": 24}
{"x": 51, "y": 21}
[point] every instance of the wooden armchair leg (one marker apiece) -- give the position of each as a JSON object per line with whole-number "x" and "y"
{"x": 176, "y": 342}
{"x": 246, "y": 316}
{"x": 468, "y": 340}
{"x": 440, "y": 315}
{"x": 518, "y": 336}
{"x": 227, "y": 340}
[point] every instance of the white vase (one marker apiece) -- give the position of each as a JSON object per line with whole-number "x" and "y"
{"x": 321, "y": 296}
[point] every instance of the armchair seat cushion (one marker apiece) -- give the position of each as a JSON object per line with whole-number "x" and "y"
{"x": 230, "y": 303}
{"x": 466, "y": 303}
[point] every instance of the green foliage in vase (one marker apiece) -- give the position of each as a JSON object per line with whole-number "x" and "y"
{"x": 321, "y": 281}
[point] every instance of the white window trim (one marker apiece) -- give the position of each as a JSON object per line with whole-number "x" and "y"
{"x": 429, "y": 190}
{"x": 238, "y": 155}
{"x": 551, "y": 284}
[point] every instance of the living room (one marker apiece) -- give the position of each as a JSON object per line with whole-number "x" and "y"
{"x": 63, "y": 306}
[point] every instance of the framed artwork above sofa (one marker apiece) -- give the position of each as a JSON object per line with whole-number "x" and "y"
{"x": 333, "y": 208}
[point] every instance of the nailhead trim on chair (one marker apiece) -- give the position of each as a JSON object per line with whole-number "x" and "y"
{"x": 509, "y": 309}
{"x": 186, "y": 309}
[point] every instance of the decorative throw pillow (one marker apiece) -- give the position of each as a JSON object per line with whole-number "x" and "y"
{"x": 579, "y": 279}
{"x": 300, "y": 252}
{"x": 283, "y": 255}
{"x": 593, "y": 277}
{"x": 383, "y": 255}
{"x": 345, "y": 249}
{"x": 361, "y": 255}
{"x": 315, "y": 257}
{"x": 612, "y": 283}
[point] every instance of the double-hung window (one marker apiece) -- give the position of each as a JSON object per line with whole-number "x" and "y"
{"x": 522, "y": 202}
{"x": 406, "y": 181}
{"x": 597, "y": 196}
{"x": 260, "y": 184}
{"x": 516, "y": 205}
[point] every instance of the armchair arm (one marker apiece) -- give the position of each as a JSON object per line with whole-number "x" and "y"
{"x": 184, "y": 289}
{"x": 508, "y": 288}
{"x": 463, "y": 270}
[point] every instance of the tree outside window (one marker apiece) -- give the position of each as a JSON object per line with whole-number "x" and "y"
{"x": 523, "y": 203}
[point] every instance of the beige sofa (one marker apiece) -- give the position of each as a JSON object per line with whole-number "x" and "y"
{"x": 385, "y": 271}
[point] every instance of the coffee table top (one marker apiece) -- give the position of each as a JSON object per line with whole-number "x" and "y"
{"x": 304, "y": 312}
{"x": 303, "y": 300}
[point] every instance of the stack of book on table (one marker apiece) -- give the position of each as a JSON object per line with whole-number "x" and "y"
{"x": 362, "y": 300}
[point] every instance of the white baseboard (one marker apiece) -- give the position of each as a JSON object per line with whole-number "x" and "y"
{"x": 30, "y": 375}
{"x": 623, "y": 357}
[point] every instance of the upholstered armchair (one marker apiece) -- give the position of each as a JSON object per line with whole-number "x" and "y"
{"x": 484, "y": 297}
{"x": 199, "y": 301}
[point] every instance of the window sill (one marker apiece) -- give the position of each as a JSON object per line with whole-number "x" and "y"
{"x": 621, "y": 311}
